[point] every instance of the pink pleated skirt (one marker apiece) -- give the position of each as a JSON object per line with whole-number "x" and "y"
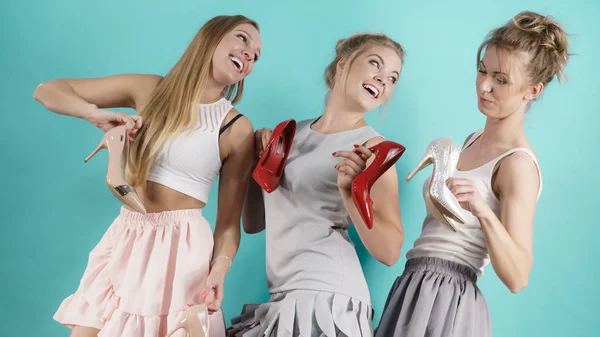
{"x": 141, "y": 275}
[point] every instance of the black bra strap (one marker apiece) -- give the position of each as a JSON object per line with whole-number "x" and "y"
{"x": 229, "y": 123}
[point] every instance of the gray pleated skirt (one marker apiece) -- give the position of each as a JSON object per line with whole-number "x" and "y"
{"x": 435, "y": 298}
{"x": 304, "y": 313}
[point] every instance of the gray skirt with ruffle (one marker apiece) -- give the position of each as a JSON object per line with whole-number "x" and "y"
{"x": 304, "y": 313}
{"x": 435, "y": 298}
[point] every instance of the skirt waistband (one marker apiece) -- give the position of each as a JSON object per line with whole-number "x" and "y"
{"x": 441, "y": 266}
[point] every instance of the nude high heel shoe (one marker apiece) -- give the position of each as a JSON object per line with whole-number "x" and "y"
{"x": 443, "y": 155}
{"x": 195, "y": 322}
{"x": 116, "y": 142}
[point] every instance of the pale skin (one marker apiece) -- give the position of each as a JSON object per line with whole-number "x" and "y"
{"x": 87, "y": 99}
{"x": 503, "y": 98}
{"x": 346, "y": 107}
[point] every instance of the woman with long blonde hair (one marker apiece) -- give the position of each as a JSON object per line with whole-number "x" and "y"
{"x": 159, "y": 254}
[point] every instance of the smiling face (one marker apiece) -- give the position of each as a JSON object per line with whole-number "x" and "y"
{"x": 371, "y": 78}
{"x": 236, "y": 54}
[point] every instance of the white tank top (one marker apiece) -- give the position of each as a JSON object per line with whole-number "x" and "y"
{"x": 467, "y": 245}
{"x": 190, "y": 162}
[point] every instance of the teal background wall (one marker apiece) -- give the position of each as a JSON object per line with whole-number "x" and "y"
{"x": 55, "y": 208}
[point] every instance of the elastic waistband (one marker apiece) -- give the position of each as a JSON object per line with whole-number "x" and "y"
{"x": 441, "y": 266}
{"x": 159, "y": 217}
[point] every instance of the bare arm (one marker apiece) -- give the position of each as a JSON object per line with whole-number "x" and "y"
{"x": 509, "y": 240}
{"x": 232, "y": 185}
{"x": 82, "y": 98}
{"x": 253, "y": 214}
{"x": 385, "y": 239}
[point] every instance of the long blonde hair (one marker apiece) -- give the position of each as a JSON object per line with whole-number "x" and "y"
{"x": 173, "y": 103}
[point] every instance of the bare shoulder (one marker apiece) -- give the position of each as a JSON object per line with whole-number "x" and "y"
{"x": 240, "y": 134}
{"x": 518, "y": 171}
{"x": 242, "y": 126}
{"x": 519, "y": 162}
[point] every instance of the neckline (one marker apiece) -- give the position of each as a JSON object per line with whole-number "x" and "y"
{"x": 331, "y": 134}
{"x": 494, "y": 160}
{"x": 217, "y": 102}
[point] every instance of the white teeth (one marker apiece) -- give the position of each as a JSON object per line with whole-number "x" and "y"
{"x": 238, "y": 63}
{"x": 372, "y": 90}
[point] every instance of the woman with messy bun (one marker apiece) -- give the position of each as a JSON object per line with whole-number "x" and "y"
{"x": 314, "y": 275}
{"x": 496, "y": 181}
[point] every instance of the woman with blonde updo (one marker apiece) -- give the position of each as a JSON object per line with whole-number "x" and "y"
{"x": 496, "y": 181}
{"x": 314, "y": 275}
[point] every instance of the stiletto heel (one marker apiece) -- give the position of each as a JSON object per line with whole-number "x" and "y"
{"x": 269, "y": 168}
{"x": 100, "y": 146}
{"x": 440, "y": 201}
{"x": 195, "y": 322}
{"x": 116, "y": 142}
{"x": 425, "y": 161}
{"x": 386, "y": 154}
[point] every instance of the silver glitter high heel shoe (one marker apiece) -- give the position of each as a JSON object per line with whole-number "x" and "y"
{"x": 444, "y": 156}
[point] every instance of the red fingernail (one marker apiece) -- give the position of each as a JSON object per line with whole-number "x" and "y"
{"x": 189, "y": 305}
{"x": 333, "y": 154}
{"x": 203, "y": 294}
{"x": 355, "y": 145}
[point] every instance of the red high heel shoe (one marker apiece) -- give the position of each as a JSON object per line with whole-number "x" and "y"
{"x": 270, "y": 165}
{"x": 386, "y": 154}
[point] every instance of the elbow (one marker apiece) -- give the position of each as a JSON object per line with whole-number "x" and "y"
{"x": 251, "y": 227}
{"x": 518, "y": 280}
{"x": 41, "y": 91}
{"x": 38, "y": 93}
{"x": 247, "y": 228}
{"x": 250, "y": 230}
{"x": 390, "y": 257}
{"x": 517, "y": 284}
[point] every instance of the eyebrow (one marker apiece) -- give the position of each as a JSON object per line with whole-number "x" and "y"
{"x": 241, "y": 30}
{"x": 382, "y": 62}
{"x": 496, "y": 72}
{"x": 250, "y": 37}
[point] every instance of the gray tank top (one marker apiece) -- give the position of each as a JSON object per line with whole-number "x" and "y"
{"x": 306, "y": 239}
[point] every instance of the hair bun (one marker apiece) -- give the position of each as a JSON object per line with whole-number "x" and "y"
{"x": 551, "y": 35}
